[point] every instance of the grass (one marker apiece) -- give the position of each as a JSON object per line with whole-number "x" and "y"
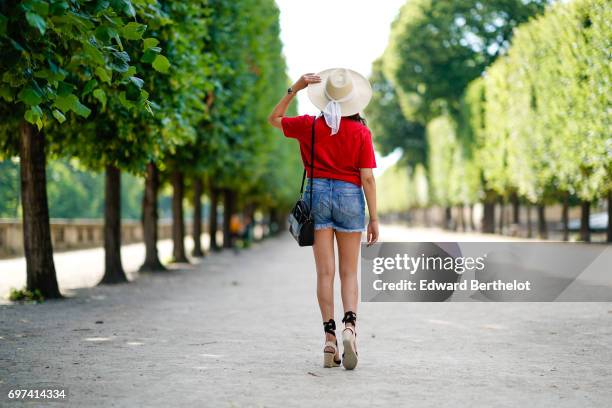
{"x": 24, "y": 295}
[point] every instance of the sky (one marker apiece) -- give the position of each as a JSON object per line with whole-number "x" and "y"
{"x": 321, "y": 34}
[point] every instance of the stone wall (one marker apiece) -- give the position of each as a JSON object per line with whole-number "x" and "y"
{"x": 75, "y": 234}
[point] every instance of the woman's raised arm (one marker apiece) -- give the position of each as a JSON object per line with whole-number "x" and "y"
{"x": 279, "y": 110}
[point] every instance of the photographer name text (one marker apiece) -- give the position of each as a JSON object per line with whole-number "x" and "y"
{"x": 433, "y": 285}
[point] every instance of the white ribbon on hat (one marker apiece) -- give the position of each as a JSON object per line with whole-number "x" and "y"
{"x": 333, "y": 112}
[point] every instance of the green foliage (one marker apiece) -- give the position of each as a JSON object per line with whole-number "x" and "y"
{"x": 108, "y": 136}
{"x": 186, "y": 85}
{"x": 394, "y": 189}
{"x": 421, "y": 186}
{"x": 388, "y": 124}
{"x": 536, "y": 123}
{"x": 85, "y": 190}
{"x": 53, "y": 52}
{"x": 132, "y": 190}
{"x": 437, "y": 47}
{"x": 24, "y": 295}
{"x": 235, "y": 146}
{"x": 274, "y": 159}
{"x": 401, "y": 189}
{"x": 435, "y": 50}
{"x": 9, "y": 189}
{"x": 453, "y": 178}
{"x": 546, "y": 107}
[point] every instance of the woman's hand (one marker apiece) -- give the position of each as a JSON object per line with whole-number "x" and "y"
{"x": 277, "y": 114}
{"x": 304, "y": 80}
{"x": 372, "y": 232}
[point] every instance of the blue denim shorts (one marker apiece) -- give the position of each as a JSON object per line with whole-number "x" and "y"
{"x": 336, "y": 204}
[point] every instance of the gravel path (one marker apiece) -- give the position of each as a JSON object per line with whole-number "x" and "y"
{"x": 244, "y": 330}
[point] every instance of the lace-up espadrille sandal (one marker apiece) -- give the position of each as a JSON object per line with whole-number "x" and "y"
{"x": 330, "y": 351}
{"x": 349, "y": 335}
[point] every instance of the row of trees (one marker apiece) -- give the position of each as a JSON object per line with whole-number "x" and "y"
{"x": 539, "y": 118}
{"x": 172, "y": 91}
{"x": 499, "y": 114}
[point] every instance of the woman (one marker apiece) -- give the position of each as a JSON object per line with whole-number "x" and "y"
{"x": 344, "y": 159}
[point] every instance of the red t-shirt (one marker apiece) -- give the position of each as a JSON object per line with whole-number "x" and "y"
{"x": 336, "y": 157}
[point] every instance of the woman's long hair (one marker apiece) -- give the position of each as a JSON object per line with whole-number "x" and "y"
{"x": 358, "y": 118}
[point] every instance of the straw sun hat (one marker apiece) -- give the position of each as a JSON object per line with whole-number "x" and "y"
{"x": 348, "y": 88}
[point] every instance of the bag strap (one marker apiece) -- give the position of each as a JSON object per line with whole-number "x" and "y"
{"x": 312, "y": 158}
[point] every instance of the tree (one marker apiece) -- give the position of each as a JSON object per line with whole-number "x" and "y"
{"x": 453, "y": 177}
{"x": 242, "y": 157}
{"x": 436, "y": 48}
{"x": 388, "y": 123}
{"x": 107, "y": 139}
{"x": 179, "y": 107}
{"x": 51, "y": 52}
{"x": 545, "y": 127}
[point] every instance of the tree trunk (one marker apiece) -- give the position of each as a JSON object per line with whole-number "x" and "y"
{"x": 36, "y": 229}
{"x": 448, "y": 217}
{"x": 462, "y": 218}
{"x": 248, "y": 215}
{"x": 529, "y": 223}
{"x": 212, "y": 222}
{"x": 502, "y": 213}
{"x": 228, "y": 210}
{"x": 197, "y": 217}
{"x": 609, "y": 237}
{"x": 585, "y": 228}
{"x": 565, "y": 217}
{"x": 149, "y": 221}
{"x": 472, "y": 224}
{"x": 280, "y": 220}
{"x": 113, "y": 270}
{"x": 272, "y": 227}
{"x": 488, "y": 217}
{"x": 516, "y": 210}
{"x": 542, "y": 228}
{"x": 178, "y": 221}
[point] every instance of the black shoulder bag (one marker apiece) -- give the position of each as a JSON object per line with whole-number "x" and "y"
{"x": 301, "y": 221}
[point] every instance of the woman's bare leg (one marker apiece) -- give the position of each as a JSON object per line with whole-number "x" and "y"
{"x": 325, "y": 261}
{"x": 348, "y": 256}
